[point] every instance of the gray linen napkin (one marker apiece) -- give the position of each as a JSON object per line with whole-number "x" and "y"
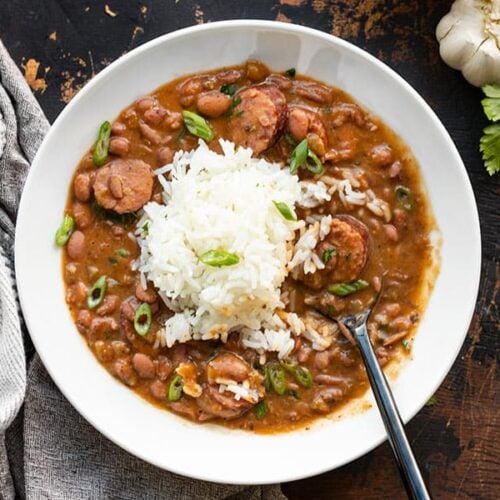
{"x": 48, "y": 450}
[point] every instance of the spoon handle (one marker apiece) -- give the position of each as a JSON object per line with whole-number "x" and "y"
{"x": 407, "y": 464}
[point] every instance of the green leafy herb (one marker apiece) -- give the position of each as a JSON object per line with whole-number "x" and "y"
{"x": 300, "y": 159}
{"x": 145, "y": 228}
{"x": 175, "y": 388}
{"x": 290, "y": 72}
{"x": 236, "y": 100}
{"x": 491, "y": 103}
{"x": 406, "y": 344}
{"x": 343, "y": 289}
{"x": 404, "y": 197}
{"x": 122, "y": 252}
{"x": 285, "y": 210}
{"x": 112, "y": 260}
{"x": 290, "y": 139}
{"x": 97, "y": 292}
{"x": 101, "y": 149}
{"x": 293, "y": 393}
{"x": 197, "y": 125}
{"x": 65, "y": 231}
{"x": 181, "y": 135}
{"x": 219, "y": 258}
{"x": 489, "y": 145}
{"x": 301, "y": 373}
{"x": 229, "y": 89}
{"x": 433, "y": 400}
{"x": 142, "y": 319}
{"x": 261, "y": 410}
{"x": 328, "y": 254}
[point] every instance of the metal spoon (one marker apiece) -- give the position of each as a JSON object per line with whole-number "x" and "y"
{"x": 408, "y": 467}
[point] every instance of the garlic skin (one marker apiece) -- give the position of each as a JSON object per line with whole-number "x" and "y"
{"x": 469, "y": 40}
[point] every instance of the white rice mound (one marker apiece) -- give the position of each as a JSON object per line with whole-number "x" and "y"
{"x": 220, "y": 202}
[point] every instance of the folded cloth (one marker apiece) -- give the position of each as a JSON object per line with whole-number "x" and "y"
{"x": 48, "y": 450}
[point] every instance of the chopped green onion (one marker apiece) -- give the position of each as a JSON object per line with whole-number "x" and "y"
{"x": 112, "y": 260}
{"x": 277, "y": 378}
{"x": 290, "y": 139}
{"x": 267, "y": 380}
{"x": 145, "y": 228}
{"x": 219, "y": 258}
{"x": 65, "y": 231}
{"x": 317, "y": 167}
{"x": 303, "y": 376}
{"x": 197, "y": 125}
{"x": 433, "y": 400}
{"x": 236, "y": 100}
{"x": 122, "y": 252}
{"x": 406, "y": 344}
{"x": 343, "y": 289}
{"x": 143, "y": 319}
{"x": 175, "y": 388}
{"x": 404, "y": 197}
{"x": 261, "y": 410}
{"x": 101, "y": 149}
{"x": 229, "y": 89}
{"x": 328, "y": 254}
{"x": 181, "y": 135}
{"x": 291, "y": 72}
{"x": 293, "y": 393}
{"x": 97, "y": 292}
{"x": 300, "y": 156}
{"x": 285, "y": 210}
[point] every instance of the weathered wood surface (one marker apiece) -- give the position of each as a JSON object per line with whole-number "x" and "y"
{"x": 457, "y": 440}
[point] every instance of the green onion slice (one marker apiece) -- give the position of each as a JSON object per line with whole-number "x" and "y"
{"x": 343, "y": 289}
{"x": 142, "y": 319}
{"x": 303, "y": 376}
{"x": 298, "y": 156}
{"x": 102, "y": 145}
{"x": 404, "y": 197}
{"x": 197, "y": 125}
{"x": 175, "y": 388}
{"x": 285, "y": 210}
{"x": 122, "y": 252}
{"x": 316, "y": 167}
{"x": 219, "y": 258}
{"x": 277, "y": 378}
{"x": 291, "y": 72}
{"x": 97, "y": 292}
{"x": 65, "y": 231}
{"x": 229, "y": 89}
{"x": 293, "y": 393}
{"x": 261, "y": 410}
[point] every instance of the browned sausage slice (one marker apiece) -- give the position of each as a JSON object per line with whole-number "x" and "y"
{"x": 124, "y": 185}
{"x": 259, "y": 117}
{"x": 222, "y": 405}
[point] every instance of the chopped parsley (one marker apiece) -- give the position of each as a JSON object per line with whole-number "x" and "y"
{"x": 328, "y": 254}
{"x": 229, "y": 89}
{"x": 291, "y": 72}
{"x": 236, "y": 100}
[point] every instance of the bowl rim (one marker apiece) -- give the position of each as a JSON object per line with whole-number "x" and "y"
{"x": 273, "y": 26}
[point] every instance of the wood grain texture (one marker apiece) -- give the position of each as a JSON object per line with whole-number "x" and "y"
{"x": 457, "y": 440}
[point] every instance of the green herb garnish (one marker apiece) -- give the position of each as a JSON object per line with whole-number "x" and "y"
{"x": 406, "y": 344}
{"x": 291, "y": 72}
{"x": 175, "y": 388}
{"x": 277, "y": 378}
{"x": 97, "y": 292}
{"x": 293, "y": 393}
{"x": 404, "y": 197}
{"x": 491, "y": 103}
{"x": 285, "y": 210}
{"x": 236, "y": 100}
{"x": 197, "y": 125}
{"x": 489, "y": 144}
{"x": 122, "y": 252}
{"x": 142, "y": 319}
{"x": 219, "y": 258}
{"x": 229, "y": 89}
{"x": 343, "y": 289}
{"x": 328, "y": 254}
{"x": 300, "y": 159}
{"x": 261, "y": 410}
{"x": 101, "y": 149}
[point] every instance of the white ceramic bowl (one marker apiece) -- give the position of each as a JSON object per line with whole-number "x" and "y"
{"x": 206, "y": 451}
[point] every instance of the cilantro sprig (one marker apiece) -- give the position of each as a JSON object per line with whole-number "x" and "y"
{"x": 489, "y": 144}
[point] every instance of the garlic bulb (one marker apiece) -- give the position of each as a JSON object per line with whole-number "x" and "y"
{"x": 469, "y": 40}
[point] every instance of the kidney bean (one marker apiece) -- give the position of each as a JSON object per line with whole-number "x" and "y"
{"x": 174, "y": 121}
{"x": 322, "y": 360}
{"x": 108, "y": 306}
{"x": 76, "y": 246}
{"x": 118, "y": 146}
{"x": 149, "y": 134}
{"x": 155, "y": 115}
{"x": 391, "y": 232}
{"x": 158, "y": 390}
{"x": 144, "y": 104}
{"x": 82, "y": 214}
{"x": 395, "y": 169}
{"x": 84, "y": 318}
{"x": 115, "y": 186}
{"x": 213, "y": 103}
{"x": 82, "y": 187}
{"x": 118, "y": 128}
{"x": 298, "y": 123}
{"x": 165, "y": 155}
{"x": 381, "y": 155}
{"x": 149, "y": 295}
{"x": 164, "y": 368}
{"x": 100, "y": 326}
{"x": 123, "y": 369}
{"x": 377, "y": 283}
{"x": 143, "y": 365}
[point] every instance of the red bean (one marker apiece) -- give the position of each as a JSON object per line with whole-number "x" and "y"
{"x": 122, "y": 368}
{"x": 158, "y": 390}
{"x": 149, "y": 134}
{"x": 381, "y": 155}
{"x": 322, "y": 360}
{"x": 155, "y": 115}
{"x": 84, "y": 318}
{"x": 149, "y": 295}
{"x": 82, "y": 187}
{"x": 143, "y": 365}
{"x": 108, "y": 306}
{"x": 118, "y": 146}
{"x": 165, "y": 155}
{"x": 395, "y": 169}
{"x": 82, "y": 214}
{"x": 144, "y": 104}
{"x": 298, "y": 123}
{"x": 391, "y": 232}
{"x": 213, "y": 103}
{"x": 76, "y": 246}
{"x": 118, "y": 129}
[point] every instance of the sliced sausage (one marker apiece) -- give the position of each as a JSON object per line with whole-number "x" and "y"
{"x": 258, "y": 119}
{"x": 124, "y": 185}
{"x": 228, "y": 366}
{"x": 313, "y": 91}
{"x": 213, "y": 103}
{"x": 222, "y": 405}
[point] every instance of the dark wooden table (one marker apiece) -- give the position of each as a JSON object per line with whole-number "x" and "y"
{"x": 456, "y": 440}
